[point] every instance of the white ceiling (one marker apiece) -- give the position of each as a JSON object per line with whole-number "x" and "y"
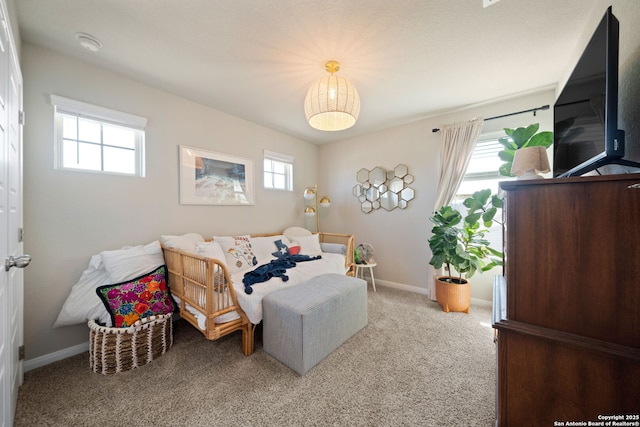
{"x": 256, "y": 59}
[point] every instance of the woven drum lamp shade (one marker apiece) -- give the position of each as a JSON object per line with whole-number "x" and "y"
{"x": 332, "y": 103}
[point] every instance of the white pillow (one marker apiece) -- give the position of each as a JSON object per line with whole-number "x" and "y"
{"x": 83, "y": 304}
{"x": 294, "y": 232}
{"x": 237, "y": 252}
{"x": 131, "y": 262}
{"x": 210, "y": 250}
{"x": 186, "y": 242}
{"x": 264, "y": 247}
{"x": 309, "y": 245}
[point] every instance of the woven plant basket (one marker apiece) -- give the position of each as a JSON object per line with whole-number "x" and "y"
{"x": 113, "y": 350}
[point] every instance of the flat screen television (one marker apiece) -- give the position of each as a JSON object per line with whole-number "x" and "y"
{"x": 586, "y": 134}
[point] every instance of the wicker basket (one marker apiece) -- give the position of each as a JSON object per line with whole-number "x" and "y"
{"x": 113, "y": 350}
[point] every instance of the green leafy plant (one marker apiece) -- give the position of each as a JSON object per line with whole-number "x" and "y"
{"x": 521, "y": 138}
{"x": 461, "y": 244}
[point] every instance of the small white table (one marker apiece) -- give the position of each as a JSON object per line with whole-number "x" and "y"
{"x": 370, "y": 267}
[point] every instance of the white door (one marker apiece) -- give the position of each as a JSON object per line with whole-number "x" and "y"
{"x": 11, "y": 258}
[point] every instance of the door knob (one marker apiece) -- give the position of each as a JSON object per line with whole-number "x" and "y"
{"x": 20, "y": 262}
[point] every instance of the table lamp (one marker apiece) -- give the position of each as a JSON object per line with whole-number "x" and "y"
{"x": 529, "y": 161}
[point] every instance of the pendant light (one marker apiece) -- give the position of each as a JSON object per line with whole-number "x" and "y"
{"x": 332, "y": 103}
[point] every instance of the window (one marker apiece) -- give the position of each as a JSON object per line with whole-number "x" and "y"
{"x": 92, "y": 138}
{"x": 482, "y": 172}
{"x": 278, "y": 171}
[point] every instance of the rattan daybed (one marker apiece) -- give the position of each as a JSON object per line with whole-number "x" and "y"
{"x": 207, "y": 294}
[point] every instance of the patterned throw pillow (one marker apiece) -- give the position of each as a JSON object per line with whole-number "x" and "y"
{"x": 237, "y": 251}
{"x": 129, "y": 301}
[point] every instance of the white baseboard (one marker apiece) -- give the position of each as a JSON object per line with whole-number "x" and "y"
{"x": 55, "y": 356}
{"x": 402, "y": 286}
{"x": 424, "y": 291}
{"x": 481, "y": 302}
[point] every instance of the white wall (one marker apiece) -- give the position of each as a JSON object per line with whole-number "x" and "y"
{"x": 70, "y": 216}
{"x": 400, "y": 236}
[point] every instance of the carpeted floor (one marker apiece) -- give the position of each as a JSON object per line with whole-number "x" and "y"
{"x": 413, "y": 365}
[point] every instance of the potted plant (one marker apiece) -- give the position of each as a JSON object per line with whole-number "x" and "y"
{"x": 519, "y": 138}
{"x": 459, "y": 244}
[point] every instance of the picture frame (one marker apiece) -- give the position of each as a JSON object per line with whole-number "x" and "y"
{"x": 211, "y": 178}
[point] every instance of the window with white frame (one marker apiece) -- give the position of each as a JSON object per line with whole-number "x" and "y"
{"x": 278, "y": 171}
{"x": 97, "y": 139}
{"x": 482, "y": 172}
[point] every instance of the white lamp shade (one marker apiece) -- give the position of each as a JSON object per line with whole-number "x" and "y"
{"x": 332, "y": 104}
{"x": 528, "y": 161}
{"x": 309, "y": 211}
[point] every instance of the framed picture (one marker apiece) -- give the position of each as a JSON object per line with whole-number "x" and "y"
{"x": 209, "y": 178}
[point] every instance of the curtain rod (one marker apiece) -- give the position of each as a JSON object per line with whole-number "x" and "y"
{"x": 544, "y": 107}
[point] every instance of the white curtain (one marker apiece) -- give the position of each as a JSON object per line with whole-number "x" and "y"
{"x": 458, "y": 143}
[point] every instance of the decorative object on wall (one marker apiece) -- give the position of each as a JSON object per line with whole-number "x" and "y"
{"x": 311, "y": 210}
{"x": 528, "y": 161}
{"x": 208, "y": 178}
{"x": 332, "y": 103}
{"x": 380, "y": 188}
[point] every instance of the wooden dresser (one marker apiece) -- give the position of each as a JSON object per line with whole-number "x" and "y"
{"x": 567, "y": 313}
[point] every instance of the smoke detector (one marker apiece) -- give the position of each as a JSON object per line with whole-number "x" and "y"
{"x": 89, "y": 42}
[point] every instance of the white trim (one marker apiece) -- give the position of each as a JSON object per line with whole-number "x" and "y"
{"x": 272, "y": 155}
{"x": 425, "y": 291}
{"x": 55, "y": 356}
{"x": 283, "y": 159}
{"x": 84, "y": 109}
{"x": 481, "y": 302}
{"x": 402, "y": 286}
{"x": 80, "y": 111}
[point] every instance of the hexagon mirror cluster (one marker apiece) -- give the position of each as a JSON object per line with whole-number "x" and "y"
{"x": 386, "y": 189}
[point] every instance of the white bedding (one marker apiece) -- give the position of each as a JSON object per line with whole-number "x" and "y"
{"x": 303, "y": 271}
{"x": 202, "y": 319}
{"x": 252, "y": 304}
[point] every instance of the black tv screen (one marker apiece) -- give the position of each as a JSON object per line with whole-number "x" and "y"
{"x": 586, "y": 134}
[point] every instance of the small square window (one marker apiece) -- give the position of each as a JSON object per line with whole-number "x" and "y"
{"x": 278, "y": 171}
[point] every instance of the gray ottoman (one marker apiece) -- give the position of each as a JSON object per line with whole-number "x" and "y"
{"x": 305, "y": 323}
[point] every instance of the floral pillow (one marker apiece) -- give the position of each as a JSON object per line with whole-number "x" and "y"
{"x": 130, "y": 301}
